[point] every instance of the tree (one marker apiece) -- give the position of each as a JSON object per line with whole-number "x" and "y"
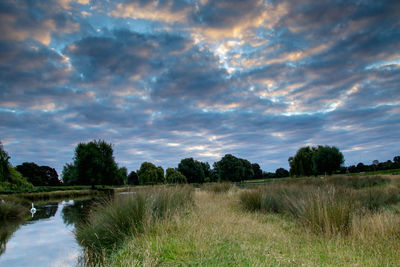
{"x": 10, "y": 178}
{"x": 150, "y": 174}
{"x": 248, "y": 172}
{"x": 230, "y": 168}
{"x": 94, "y": 164}
{"x": 281, "y": 173}
{"x": 315, "y": 160}
{"x": 122, "y": 176}
{"x": 69, "y": 175}
{"x": 173, "y": 176}
{"x": 326, "y": 159}
{"x": 39, "y": 175}
{"x": 192, "y": 169}
{"x": 396, "y": 161}
{"x": 133, "y": 178}
{"x": 4, "y": 158}
{"x": 257, "y": 171}
{"x": 301, "y": 164}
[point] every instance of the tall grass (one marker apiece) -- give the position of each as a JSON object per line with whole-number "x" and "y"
{"x": 326, "y": 206}
{"x": 113, "y": 221}
{"x": 218, "y": 187}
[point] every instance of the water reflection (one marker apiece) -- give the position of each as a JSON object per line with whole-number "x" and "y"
{"x": 47, "y": 239}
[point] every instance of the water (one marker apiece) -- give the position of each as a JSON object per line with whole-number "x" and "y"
{"x": 47, "y": 238}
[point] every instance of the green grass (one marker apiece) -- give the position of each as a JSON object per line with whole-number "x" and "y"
{"x": 325, "y": 205}
{"x": 112, "y": 222}
{"x": 218, "y": 233}
{"x": 218, "y": 187}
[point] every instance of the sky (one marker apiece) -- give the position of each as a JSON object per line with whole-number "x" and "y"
{"x": 166, "y": 80}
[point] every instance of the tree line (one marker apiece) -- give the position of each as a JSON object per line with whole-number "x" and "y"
{"x": 94, "y": 164}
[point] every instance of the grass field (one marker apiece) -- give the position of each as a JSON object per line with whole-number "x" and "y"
{"x": 218, "y": 232}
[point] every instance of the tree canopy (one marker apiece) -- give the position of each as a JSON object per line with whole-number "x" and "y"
{"x": 193, "y": 170}
{"x": 173, "y": 176}
{"x": 93, "y": 164}
{"x": 39, "y": 175}
{"x": 150, "y": 174}
{"x": 315, "y": 160}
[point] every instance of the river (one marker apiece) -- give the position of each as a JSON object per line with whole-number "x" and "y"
{"x": 46, "y": 238}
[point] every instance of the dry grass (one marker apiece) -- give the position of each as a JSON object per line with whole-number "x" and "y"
{"x": 218, "y": 233}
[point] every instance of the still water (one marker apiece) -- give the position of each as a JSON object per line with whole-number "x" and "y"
{"x": 47, "y": 238}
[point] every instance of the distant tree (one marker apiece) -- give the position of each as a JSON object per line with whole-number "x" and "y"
{"x": 94, "y": 164}
{"x": 206, "y": 169}
{"x": 230, "y": 168}
{"x": 281, "y": 173}
{"x": 133, "y": 178}
{"x": 396, "y": 161}
{"x": 257, "y": 171}
{"x": 4, "y": 158}
{"x": 301, "y": 164}
{"x": 248, "y": 172}
{"x": 361, "y": 167}
{"x": 192, "y": 169}
{"x": 69, "y": 174}
{"x": 326, "y": 159}
{"x": 122, "y": 176}
{"x": 173, "y": 176}
{"x": 39, "y": 175}
{"x": 10, "y": 178}
{"x": 375, "y": 164}
{"x": 150, "y": 174}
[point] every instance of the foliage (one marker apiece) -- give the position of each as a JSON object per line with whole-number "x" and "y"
{"x": 173, "y": 176}
{"x": 258, "y": 173}
{"x": 230, "y": 168}
{"x": 150, "y": 174}
{"x": 133, "y": 178}
{"x": 315, "y": 160}
{"x": 193, "y": 170}
{"x": 281, "y": 173}
{"x": 4, "y": 170}
{"x": 39, "y": 175}
{"x": 327, "y": 159}
{"x": 122, "y": 176}
{"x": 93, "y": 164}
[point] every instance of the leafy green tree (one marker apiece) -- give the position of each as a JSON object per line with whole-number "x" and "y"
{"x": 4, "y": 158}
{"x": 257, "y": 171}
{"x": 230, "y": 168}
{"x": 248, "y": 172}
{"x": 10, "y": 178}
{"x": 173, "y": 176}
{"x": 133, "y": 178}
{"x": 396, "y": 161}
{"x": 326, "y": 159}
{"x": 69, "y": 174}
{"x": 150, "y": 174}
{"x": 39, "y": 175}
{"x": 302, "y": 164}
{"x": 122, "y": 176}
{"x": 192, "y": 169}
{"x": 281, "y": 173}
{"x": 94, "y": 164}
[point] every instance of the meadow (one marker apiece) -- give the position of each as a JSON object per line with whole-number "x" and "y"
{"x": 332, "y": 221}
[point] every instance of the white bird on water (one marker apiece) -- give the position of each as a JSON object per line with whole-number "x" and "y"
{"x": 33, "y": 210}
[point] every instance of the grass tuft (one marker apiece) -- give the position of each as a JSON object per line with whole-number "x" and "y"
{"x": 113, "y": 221}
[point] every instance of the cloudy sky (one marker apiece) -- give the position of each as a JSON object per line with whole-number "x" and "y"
{"x": 164, "y": 80}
